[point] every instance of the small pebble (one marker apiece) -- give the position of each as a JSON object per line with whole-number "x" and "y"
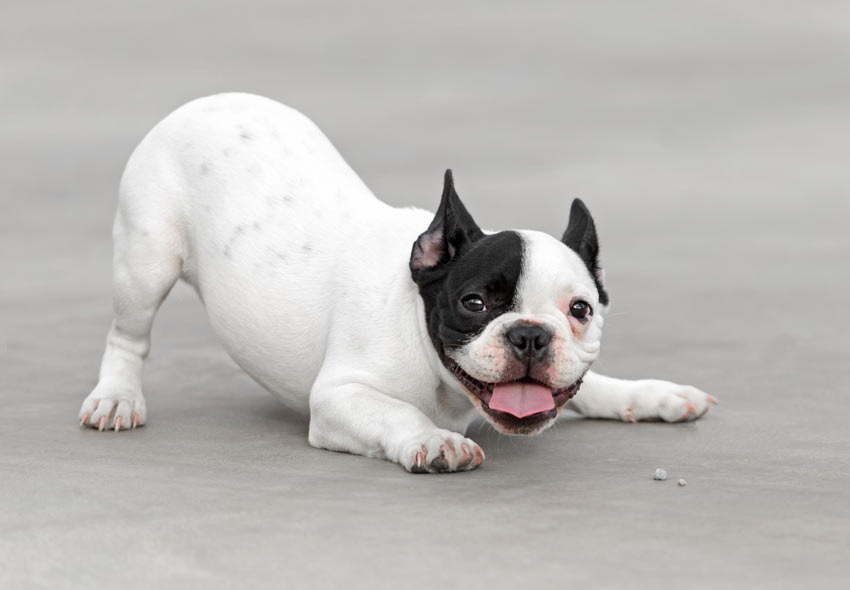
{"x": 660, "y": 475}
{"x": 682, "y": 482}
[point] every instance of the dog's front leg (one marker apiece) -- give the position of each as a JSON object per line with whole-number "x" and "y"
{"x": 643, "y": 399}
{"x": 357, "y": 418}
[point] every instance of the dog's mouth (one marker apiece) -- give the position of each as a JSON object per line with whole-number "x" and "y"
{"x": 522, "y": 406}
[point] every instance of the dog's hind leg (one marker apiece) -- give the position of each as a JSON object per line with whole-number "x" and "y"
{"x": 147, "y": 262}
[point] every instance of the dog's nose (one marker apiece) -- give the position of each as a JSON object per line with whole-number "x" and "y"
{"x": 529, "y": 342}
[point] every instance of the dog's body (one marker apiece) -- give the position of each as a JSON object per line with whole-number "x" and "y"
{"x": 310, "y": 284}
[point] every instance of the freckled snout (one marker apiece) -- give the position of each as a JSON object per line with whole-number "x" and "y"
{"x": 529, "y": 342}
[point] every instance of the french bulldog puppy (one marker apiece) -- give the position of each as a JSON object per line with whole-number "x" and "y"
{"x": 394, "y": 328}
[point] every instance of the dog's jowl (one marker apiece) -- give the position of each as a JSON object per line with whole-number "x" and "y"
{"x": 394, "y": 328}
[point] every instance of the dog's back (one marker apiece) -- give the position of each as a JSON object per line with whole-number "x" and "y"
{"x": 250, "y": 203}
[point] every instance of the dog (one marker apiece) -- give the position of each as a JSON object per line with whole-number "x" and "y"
{"x": 394, "y": 328}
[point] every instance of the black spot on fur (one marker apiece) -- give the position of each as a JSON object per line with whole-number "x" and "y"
{"x": 238, "y": 232}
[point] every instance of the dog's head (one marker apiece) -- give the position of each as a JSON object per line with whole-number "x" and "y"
{"x": 515, "y": 316}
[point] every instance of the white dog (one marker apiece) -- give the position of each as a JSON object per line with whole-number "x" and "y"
{"x": 394, "y": 327}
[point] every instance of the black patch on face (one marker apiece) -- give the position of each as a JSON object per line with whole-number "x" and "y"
{"x": 454, "y": 259}
{"x": 580, "y": 236}
{"x": 490, "y": 268}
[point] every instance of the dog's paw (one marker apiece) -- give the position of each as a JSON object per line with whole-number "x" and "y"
{"x": 113, "y": 408}
{"x": 655, "y": 400}
{"x": 441, "y": 451}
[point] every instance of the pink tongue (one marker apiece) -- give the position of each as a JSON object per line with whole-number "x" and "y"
{"x": 521, "y": 399}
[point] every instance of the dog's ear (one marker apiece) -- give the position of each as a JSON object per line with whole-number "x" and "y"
{"x": 581, "y": 237}
{"x": 450, "y": 233}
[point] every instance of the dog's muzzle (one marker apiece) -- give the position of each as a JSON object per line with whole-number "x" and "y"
{"x": 519, "y": 406}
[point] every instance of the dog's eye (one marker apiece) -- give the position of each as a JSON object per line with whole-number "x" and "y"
{"x": 474, "y": 303}
{"x": 581, "y": 311}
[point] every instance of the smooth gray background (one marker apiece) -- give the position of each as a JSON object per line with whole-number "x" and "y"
{"x": 710, "y": 140}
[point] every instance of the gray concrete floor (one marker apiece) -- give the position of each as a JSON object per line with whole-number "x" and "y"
{"x": 710, "y": 139}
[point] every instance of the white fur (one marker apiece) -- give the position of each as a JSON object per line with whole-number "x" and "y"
{"x": 304, "y": 275}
